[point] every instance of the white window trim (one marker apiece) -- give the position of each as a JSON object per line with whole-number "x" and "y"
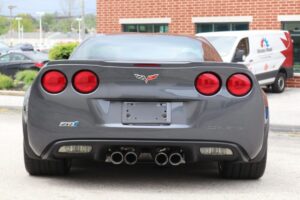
{"x": 221, "y": 19}
{"x": 145, "y": 20}
{"x": 288, "y": 18}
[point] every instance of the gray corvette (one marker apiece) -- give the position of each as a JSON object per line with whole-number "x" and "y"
{"x": 137, "y": 98}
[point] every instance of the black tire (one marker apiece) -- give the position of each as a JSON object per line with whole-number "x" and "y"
{"x": 39, "y": 167}
{"x": 251, "y": 170}
{"x": 280, "y": 82}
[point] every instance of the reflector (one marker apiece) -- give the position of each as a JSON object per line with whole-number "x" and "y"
{"x": 216, "y": 151}
{"x": 75, "y": 149}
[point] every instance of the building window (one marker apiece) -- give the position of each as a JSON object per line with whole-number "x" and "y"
{"x": 146, "y": 28}
{"x": 294, "y": 29}
{"x": 214, "y": 27}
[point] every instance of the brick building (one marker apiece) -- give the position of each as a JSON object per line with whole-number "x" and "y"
{"x": 193, "y": 16}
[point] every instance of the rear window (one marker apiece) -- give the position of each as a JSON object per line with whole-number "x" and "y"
{"x": 140, "y": 48}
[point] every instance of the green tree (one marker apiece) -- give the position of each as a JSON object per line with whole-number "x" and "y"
{"x": 4, "y": 25}
{"x": 29, "y": 23}
{"x": 90, "y": 22}
{"x": 49, "y": 22}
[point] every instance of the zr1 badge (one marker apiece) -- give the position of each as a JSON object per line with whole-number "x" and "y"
{"x": 69, "y": 124}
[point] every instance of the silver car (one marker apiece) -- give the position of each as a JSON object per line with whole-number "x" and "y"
{"x": 129, "y": 98}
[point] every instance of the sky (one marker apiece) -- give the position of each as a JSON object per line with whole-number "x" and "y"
{"x": 33, "y": 6}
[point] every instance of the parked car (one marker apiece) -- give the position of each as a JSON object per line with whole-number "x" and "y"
{"x": 13, "y": 62}
{"x": 268, "y": 54}
{"x": 22, "y": 47}
{"x": 3, "y": 48}
{"x": 125, "y": 95}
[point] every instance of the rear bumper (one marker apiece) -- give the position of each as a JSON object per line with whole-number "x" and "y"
{"x": 191, "y": 149}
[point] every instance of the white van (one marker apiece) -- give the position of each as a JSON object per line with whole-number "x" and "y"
{"x": 267, "y": 53}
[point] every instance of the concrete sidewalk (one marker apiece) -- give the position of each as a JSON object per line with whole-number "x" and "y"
{"x": 284, "y": 109}
{"x": 11, "y": 102}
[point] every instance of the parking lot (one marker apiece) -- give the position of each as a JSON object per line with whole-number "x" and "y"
{"x": 94, "y": 181}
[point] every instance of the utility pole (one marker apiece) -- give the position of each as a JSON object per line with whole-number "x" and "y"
{"x": 83, "y": 19}
{"x": 19, "y": 28}
{"x": 41, "y": 14}
{"x": 11, "y": 7}
{"x": 79, "y": 20}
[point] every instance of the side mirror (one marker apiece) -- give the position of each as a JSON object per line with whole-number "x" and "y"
{"x": 239, "y": 55}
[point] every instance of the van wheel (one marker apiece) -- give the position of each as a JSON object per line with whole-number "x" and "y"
{"x": 280, "y": 82}
{"x": 39, "y": 167}
{"x": 251, "y": 170}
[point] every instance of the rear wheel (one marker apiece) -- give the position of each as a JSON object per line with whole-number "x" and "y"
{"x": 39, "y": 167}
{"x": 280, "y": 82}
{"x": 251, "y": 170}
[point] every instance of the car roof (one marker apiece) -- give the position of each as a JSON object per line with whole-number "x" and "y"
{"x": 31, "y": 54}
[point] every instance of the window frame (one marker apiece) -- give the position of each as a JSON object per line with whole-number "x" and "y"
{"x": 231, "y": 25}
{"x": 153, "y": 27}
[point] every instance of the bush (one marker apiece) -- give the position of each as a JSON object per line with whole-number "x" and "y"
{"x": 62, "y": 51}
{"x": 26, "y": 78}
{"x": 6, "y": 82}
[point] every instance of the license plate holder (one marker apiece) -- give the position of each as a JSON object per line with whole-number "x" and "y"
{"x": 146, "y": 113}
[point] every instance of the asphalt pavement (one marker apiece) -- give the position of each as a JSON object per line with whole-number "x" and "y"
{"x": 89, "y": 180}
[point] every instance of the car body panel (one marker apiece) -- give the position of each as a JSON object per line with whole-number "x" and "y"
{"x": 194, "y": 117}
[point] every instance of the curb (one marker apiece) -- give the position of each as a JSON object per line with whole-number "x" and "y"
{"x": 285, "y": 128}
{"x": 10, "y": 108}
{"x": 12, "y": 93}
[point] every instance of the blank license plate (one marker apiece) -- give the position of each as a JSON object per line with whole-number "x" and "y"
{"x": 146, "y": 113}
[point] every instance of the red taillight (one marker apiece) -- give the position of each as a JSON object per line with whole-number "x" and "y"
{"x": 54, "y": 81}
{"x": 239, "y": 84}
{"x": 208, "y": 83}
{"x": 85, "y": 81}
{"x": 39, "y": 65}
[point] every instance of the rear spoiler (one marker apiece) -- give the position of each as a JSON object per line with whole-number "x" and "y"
{"x": 135, "y": 64}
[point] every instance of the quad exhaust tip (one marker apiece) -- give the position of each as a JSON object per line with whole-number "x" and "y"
{"x": 117, "y": 158}
{"x": 176, "y": 159}
{"x": 131, "y": 158}
{"x": 161, "y": 159}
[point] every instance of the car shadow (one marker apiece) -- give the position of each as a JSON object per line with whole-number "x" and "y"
{"x": 145, "y": 176}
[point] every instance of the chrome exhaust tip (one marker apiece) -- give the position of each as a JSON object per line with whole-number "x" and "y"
{"x": 161, "y": 159}
{"x": 176, "y": 159}
{"x": 117, "y": 158}
{"x": 131, "y": 158}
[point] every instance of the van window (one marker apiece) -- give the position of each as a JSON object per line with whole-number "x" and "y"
{"x": 223, "y": 44}
{"x": 244, "y": 45}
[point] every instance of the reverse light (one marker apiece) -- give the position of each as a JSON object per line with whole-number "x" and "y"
{"x": 208, "y": 83}
{"x": 239, "y": 84}
{"x": 54, "y": 81}
{"x": 216, "y": 151}
{"x": 85, "y": 81}
{"x": 75, "y": 149}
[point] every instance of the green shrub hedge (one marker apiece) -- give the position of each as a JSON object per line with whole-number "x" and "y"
{"x": 26, "y": 78}
{"x": 6, "y": 82}
{"x": 62, "y": 51}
